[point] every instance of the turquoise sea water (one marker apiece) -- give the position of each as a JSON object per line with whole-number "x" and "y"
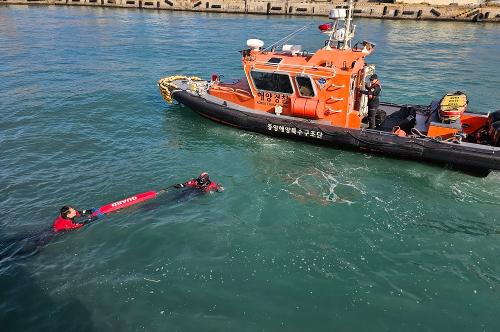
{"x": 303, "y": 239}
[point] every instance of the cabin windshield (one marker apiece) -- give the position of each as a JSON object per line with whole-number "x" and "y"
{"x": 305, "y": 86}
{"x": 274, "y": 82}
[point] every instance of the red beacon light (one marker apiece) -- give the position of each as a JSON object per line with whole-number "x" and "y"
{"x": 325, "y": 27}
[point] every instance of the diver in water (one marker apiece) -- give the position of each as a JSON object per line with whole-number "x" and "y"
{"x": 192, "y": 188}
{"x": 202, "y": 183}
{"x": 27, "y": 245}
{"x": 70, "y": 218}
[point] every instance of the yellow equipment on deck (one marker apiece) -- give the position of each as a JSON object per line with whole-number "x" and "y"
{"x": 452, "y": 106}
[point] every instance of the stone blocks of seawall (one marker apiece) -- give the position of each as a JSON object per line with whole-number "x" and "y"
{"x": 393, "y": 11}
{"x": 123, "y": 3}
{"x": 101, "y": 3}
{"x": 27, "y": 2}
{"x": 149, "y": 4}
{"x": 77, "y": 2}
{"x": 309, "y": 9}
{"x": 93, "y": 2}
{"x": 170, "y": 5}
{"x": 218, "y": 6}
{"x": 267, "y": 7}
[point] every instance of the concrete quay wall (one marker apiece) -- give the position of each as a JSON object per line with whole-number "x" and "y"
{"x": 475, "y": 12}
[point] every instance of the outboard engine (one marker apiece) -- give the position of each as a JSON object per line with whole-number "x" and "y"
{"x": 452, "y": 106}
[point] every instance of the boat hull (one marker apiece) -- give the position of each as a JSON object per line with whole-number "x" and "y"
{"x": 473, "y": 158}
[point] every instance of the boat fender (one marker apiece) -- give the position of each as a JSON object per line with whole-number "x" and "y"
{"x": 397, "y": 131}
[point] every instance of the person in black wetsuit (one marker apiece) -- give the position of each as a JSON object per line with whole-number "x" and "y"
{"x": 373, "y": 92}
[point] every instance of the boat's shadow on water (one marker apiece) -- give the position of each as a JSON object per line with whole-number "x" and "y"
{"x": 42, "y": 313}
{"x": 22, "y": 246}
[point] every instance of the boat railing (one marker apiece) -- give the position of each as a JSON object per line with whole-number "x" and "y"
{"x": 226, "y": 88}
{"x": 297, "y": 69}
{"x": 336, "y": 86}
{"x": 334, "y": 99}
{"x": 329, "y": 110}
{"x": 243, "y": 91}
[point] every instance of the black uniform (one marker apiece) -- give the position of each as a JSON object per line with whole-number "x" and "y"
{"x": 373, "y": 93}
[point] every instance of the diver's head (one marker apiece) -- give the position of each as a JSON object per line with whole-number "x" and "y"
{"x": 203, "y": 179}
{"x": 68, "y": 212}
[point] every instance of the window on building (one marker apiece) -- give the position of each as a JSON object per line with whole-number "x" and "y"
{"x": 305, "y": 86}
{"x": 273, "y": 82}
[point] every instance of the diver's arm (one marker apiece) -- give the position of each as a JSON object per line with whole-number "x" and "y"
{"x": 190, "y": 183}
{"x": 85, "y": 212}
{"x": 87, "y": 220}
{"x": 87, "y": 216}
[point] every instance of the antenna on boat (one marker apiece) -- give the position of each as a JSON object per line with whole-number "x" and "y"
{"x": 349, "y": 27}
{"x": 339, "y": 33}
{"x": 286, "y": 38}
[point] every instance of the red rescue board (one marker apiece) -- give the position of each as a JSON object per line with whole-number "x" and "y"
{"x": 129, "y": 201}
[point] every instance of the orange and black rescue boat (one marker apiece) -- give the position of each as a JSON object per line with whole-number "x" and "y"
{"x": 321, "y": 98}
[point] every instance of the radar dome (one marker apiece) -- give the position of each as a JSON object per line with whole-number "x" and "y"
{"x": 255, "y": 44}
{"x": 336, "y": 14}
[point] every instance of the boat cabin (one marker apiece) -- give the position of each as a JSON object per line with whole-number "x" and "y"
{"x": 322, "y": 86}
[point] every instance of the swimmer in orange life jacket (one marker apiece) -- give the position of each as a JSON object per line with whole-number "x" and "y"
{"x": 68, "y": 218}
{"x": 202, "y": 183}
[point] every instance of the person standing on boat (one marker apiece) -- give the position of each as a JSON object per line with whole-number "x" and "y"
{"x": 373, "y": 92}
{"x": 202, "y": 183}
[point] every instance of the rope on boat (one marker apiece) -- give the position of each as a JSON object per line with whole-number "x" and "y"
{"x": 457, "y": 139}
{"x": 417, "y": 133}
{"x": 167, "y": 87}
